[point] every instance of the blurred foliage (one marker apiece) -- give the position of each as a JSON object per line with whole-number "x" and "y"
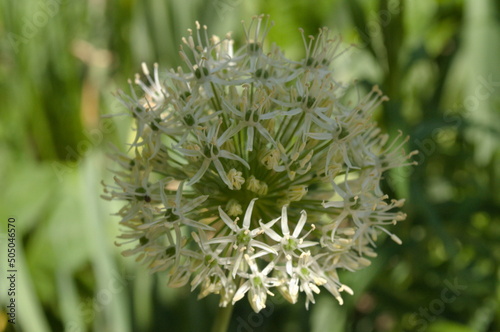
{"x": 60, "y": 62}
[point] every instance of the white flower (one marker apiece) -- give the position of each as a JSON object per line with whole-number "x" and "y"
{"x": 210, "y": 262}
{"x": 289, "y": 243}
{"x": 250, "y": 118}
{"x": 211, "y": 153}
{"x": 237, "y": 125}
{"x": 242, "y": 238}
{"x": 257, "y": 285}
{"x": 306, "y": 276}
{"x": 177, "y": 211}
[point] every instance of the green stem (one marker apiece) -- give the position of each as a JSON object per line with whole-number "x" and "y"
{"x": 222, "y": 319}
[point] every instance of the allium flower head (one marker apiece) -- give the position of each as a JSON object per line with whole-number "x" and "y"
{"x": 248, "y": 173}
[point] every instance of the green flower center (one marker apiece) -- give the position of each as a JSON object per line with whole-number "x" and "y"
{"x": 257, "y": 281}
{"x": 201, "y": 72}
{"x": 355, "y": 204}
{"x": 170, "y": 252}
{"x": 143, "y": 240}
{"x": 185, "y": 95}
{"x": 209, "y": 150}
{"x": 253, "y": 48}
{"x": 154, "y": 125}
{"x": 289, "y": 244}
{"x": 260, "y": 73}
{"x": 343, "y": 133}
{"x": 139, "y": 195}
{"x": 189, "y": 120}
{"x": 251, "y": 115}
{"x": 243, "y": 238}
{"x": 209, "y": 261}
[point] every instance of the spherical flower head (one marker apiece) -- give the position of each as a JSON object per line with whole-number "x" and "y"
{"x": 250, "y": 173}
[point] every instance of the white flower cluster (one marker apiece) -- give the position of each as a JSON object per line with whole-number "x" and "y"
{"x": 248, "y": 173}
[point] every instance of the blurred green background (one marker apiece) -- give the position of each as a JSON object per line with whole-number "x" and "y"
{"x": 438, "y": 61}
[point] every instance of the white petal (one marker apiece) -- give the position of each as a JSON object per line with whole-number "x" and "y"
{"x": 268, "y": 268}
{"x": 191, "y": 204}
{"x": 229, "y": 155}
{"x": 252, "y": 264}
{"x": 228, "y": 221}
{"x": 248, "y": 214}
{"x": 200, "y": 173}
{"x": 241, "y": 292}
{"x": 292, "y": 112}
{"x": 269, "y": 115}
{"x": 196, "y": 224}
{"x": 232, "y": 109}
{"x": 336, "y": 204}
{"x": 320, "y": 136}
{"x": 268, "y": 248}
{"x": 237, "y": 263}
{"x": 284, "y": 221}
{"x": 187, "y": 152}
{"x": 257, "y": 300}
{"x": 263, "y": 131}
{"x": 269, "y": 232}
{"x": 300, "y": 224}
{"x": 230, "y": 132}
{"x": 221, "y": 240}
{"x": 222, "y": 173}
{"x": 289, "y": 270}
{"x": 307, "y": 244}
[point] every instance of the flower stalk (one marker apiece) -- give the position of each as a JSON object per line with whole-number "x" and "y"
{"x": 222, "y": 319}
